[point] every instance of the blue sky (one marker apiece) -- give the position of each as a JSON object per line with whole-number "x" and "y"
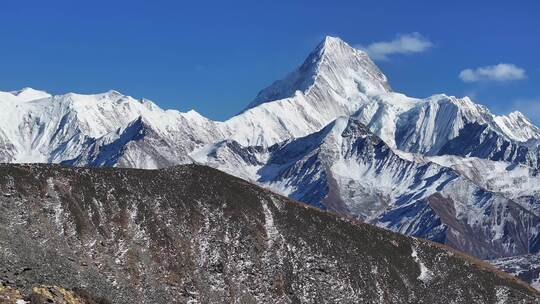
{"x": 214, "y": 56}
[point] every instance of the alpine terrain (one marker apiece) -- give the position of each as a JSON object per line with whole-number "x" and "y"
{"x": 332, "y": 134}
{"x": 192, "y": 234}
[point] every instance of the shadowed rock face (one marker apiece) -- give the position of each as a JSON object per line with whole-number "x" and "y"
{"x": 194, "y": 233}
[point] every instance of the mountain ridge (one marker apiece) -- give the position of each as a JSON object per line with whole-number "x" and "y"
{"x": 194, "y": 233}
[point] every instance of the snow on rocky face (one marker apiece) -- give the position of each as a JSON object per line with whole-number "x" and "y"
{"x": 525, "y": 267}
{"x": 332, "y": 134}
{"x": 77, "y": 129}
{"x": 515, "y": 181}
{"x": 446, "y": 125}
{"x": 333, "y": 81}
{"x": 333, "y": 65}
{"x": 347, "y": 169}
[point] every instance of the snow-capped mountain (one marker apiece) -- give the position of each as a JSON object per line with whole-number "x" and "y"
{"x": 338, "y": 80}
{"x": 102, "y": 129}
{"x": 332, "y": 134}
{"x": 347, "y": 169}
{"x": 333, "y": 81}
{"x": 435, "y": 125}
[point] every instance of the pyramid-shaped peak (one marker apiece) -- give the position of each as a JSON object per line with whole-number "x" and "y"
{"x": 333, "y": 68}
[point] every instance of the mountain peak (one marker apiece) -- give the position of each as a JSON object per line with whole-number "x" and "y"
{"x": 334, "y": 66}
{"x": 27, "y": 94}
{"x": 517, "y": 127}
{"x": 330, "y": 42}
{"x": 335, "y": 45}
{"x": 332, "y": 39}
{"x": 518, "y": 115}
{"x": 113, "y": 92}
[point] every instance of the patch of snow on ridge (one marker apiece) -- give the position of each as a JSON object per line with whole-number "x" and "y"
{"x": 502, "y": 295}
{"x": 271, "y": 230}
{"x": 425, "y": 274}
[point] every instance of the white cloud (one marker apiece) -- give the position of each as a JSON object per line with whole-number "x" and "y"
{"x": 402, "y": 44}
{"x": 499, "y": 72}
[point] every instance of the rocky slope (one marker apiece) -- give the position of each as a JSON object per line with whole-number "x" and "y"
{"x": 194, "y": 234}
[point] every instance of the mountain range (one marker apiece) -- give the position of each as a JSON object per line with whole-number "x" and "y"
{"x": 332, "y": 134}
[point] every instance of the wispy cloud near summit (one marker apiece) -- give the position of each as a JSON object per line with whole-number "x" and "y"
{"x": 402, "y": 44}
